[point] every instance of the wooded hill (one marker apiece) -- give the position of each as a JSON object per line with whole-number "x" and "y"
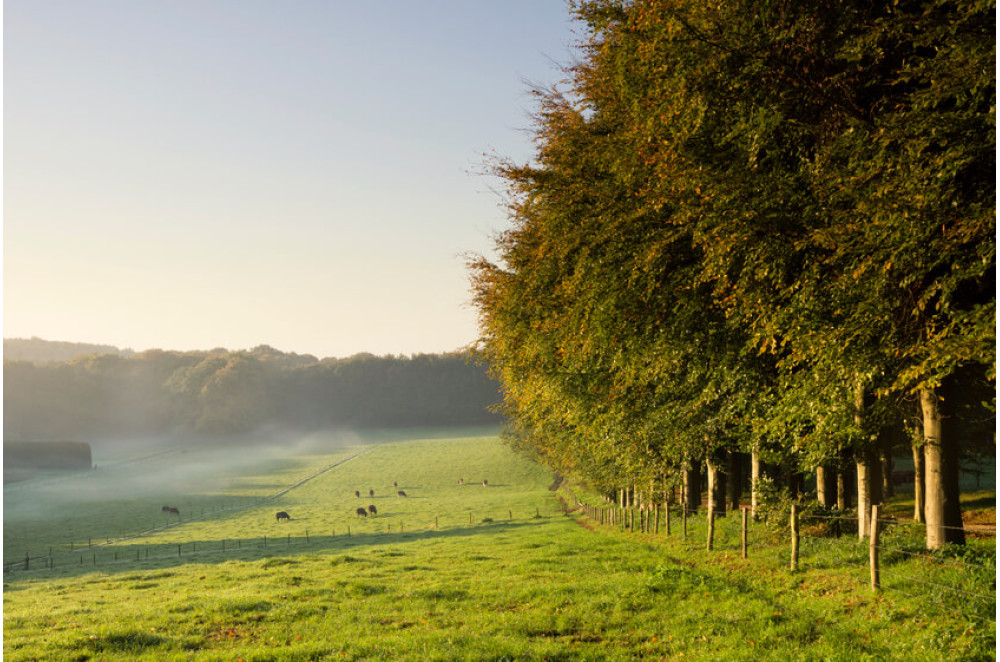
{"x": 758, "y": 232}
{"x": 225, "y": 392}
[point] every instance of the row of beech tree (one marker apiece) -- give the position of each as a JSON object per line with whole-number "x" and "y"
{"x": 222, "y": 393}
{"x": 761, "y": 228}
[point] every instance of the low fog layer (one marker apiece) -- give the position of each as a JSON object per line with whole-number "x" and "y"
{"x": 143, "y": 469}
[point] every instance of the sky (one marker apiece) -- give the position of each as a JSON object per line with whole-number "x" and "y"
{"x": 193, "y": 174}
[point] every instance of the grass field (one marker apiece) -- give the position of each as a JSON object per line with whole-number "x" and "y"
{"x": 448, "y": 573}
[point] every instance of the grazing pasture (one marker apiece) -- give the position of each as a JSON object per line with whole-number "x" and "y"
{"x": 452, "y": 572}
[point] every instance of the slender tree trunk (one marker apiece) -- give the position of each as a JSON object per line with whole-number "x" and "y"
{"x": 864, "y": 493}
{"x": 755, "y": 467}
{"x": 716, "y": 487}
{"x": 822, "y": 495}
{"x": 918, "y": 484}
{"x": 863, "y": 467}
{"x": 942, "y": 510}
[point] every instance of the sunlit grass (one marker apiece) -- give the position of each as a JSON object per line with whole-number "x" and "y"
{"x": 510, "y": 585}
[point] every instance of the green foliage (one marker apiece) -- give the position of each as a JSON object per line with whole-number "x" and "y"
{"x": 740, "y": 217}
{"x": 226, "y": 393}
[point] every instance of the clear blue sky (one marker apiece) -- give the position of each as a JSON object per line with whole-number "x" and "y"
{"x": 190, "y": 174}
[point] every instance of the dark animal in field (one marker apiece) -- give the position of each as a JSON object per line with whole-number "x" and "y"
{"x": 171, "y": 510}
{"x": 371, "y": 493}
{"x": 281, "y": 515}
{"x": 485, "y": 483}
{"x": 394, "y": 485}
{"x": 903, "y": 477}
{"x": 401, "y": 493}
{"x": 361, "y": 512}
{"x": 372, "y": 510}
{"x": 461, "y": 481}
{"x": 357, "y": 494}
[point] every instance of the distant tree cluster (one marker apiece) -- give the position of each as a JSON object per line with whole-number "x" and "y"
{"x": 222, "y": 392}
{"x": 757, "y": 232}
{"x": 37, "y": 350}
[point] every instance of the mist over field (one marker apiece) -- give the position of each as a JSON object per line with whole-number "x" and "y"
{"x": 219, "y": 394}
{"x": 163, "y": 469}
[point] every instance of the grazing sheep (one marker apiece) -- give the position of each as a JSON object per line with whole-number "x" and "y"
{"x": 485, "y": 483}
{"x": 170, "y": 510}
{"x": 281, "y": 515}
{"x": 372, "y": 510}
{"x": 461, "y": 481}
{"x": 361, "y": 512}
{"x": 401, "y": 493}
{"x": 394, "y": 485}
{"x": 357, "y": 494}
{"x": 371, "y": 493}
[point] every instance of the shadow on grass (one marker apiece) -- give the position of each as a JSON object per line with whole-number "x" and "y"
{"x": 124, "y": 557}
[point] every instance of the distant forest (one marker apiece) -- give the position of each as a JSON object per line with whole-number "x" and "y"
{"x": 118, "y": 393}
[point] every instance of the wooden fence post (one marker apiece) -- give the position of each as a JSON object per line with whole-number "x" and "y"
{"x": 795, "y": 538}
{"x": 873, "y": 548}
{"x": 684, "y": 513}
{"x": 743, "y": 526}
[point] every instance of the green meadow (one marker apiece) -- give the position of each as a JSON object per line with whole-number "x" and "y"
{"x": 449, "y": 572}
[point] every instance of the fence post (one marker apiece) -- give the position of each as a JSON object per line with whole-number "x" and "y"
{"x": 795, "y": 537}
{"x": 684, "y": 513}
{"x": 743, "y": 526}
{"x": 711, "y": 528}
{"x": 666, "y": 516}
{"x": 873, "y": 548}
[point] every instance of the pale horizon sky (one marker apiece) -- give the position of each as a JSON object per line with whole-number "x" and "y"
{"x": 191, "y": 174}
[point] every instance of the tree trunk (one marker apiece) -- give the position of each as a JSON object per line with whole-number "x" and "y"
{"x": 918, "y": 484}
{"x": 755, "y": 466}
{"x": 942, "y": 510}
{"x": 822, "y": 494}
{"x": 716, "y": 487}
{"x": 864, "y": 493}
{"x": 861, "y": 462}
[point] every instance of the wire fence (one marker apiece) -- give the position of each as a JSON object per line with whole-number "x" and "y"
{"x": 125, "y": 549}
{"x": 958, "y": 578}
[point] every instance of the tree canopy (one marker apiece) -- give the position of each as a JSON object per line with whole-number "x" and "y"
{"x": 751, "y": 226}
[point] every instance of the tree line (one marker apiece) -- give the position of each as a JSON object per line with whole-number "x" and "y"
{"x": 757, "y": 233}
{"x": 222, "y": 392}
